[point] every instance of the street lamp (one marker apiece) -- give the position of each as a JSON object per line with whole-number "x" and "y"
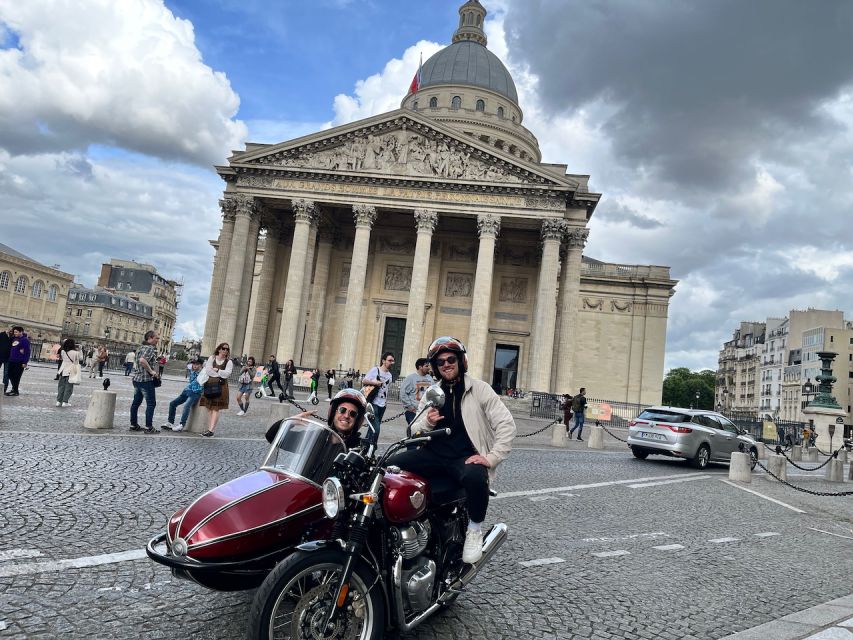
{"x": 809, "y": 390}
{"x": 697, "y": 400}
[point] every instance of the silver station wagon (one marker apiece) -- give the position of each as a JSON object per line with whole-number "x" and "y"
{"x": 697, "y": 436}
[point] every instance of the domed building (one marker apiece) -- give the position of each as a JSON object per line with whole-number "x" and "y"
{"x": 438, "y": 218}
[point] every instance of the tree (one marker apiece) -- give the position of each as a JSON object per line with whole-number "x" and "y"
{"x": 681, "y": 384}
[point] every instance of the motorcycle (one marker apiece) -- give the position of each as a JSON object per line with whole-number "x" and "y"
{"x": 392, "y": 559}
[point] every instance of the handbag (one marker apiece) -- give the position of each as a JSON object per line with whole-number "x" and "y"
{"x": 75, "y": 373}
{"x": 157, "y": 381}
{"x": 212, "y": 389}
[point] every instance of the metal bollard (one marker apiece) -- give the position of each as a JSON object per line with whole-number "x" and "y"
{"x": 779, "y": 466}
{"x": 739, "y": 468}
{"x": 102, "y": 410}
{"x": 810, "y": 454}
{"x": 796, "y": 454}
{"x": 835, "y": 471}
{"x": 558, "y": 436}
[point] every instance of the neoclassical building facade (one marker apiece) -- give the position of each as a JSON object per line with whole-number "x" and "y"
{"x": 438, "y": 218}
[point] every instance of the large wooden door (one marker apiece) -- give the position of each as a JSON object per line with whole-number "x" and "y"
{"x": 392, "y": 340}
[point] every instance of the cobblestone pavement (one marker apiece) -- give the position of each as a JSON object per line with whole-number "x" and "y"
{"x": 601, "y": 545}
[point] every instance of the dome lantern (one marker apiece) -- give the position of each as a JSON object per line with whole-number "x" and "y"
{"x": 472, "y": 15}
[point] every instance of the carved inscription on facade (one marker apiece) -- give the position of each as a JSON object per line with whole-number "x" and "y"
{"x": 513, "y": 290}
{"x": 398, "y": 278}
{"x": 459, "y": 285}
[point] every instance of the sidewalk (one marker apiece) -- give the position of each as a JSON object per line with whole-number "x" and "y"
{"x": 832, "y": 620}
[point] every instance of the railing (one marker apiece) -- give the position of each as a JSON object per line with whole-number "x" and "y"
{"x": 615, "y": 413}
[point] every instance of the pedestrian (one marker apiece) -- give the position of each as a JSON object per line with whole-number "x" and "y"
{"x": 19, "y": 356}
{"x": 481, "y": 434}
{"x": 188, "y": 397}
{"x": 566, "y": 406}
{"x": 161, "y": 363}
{"x": 289, "y": 372}
{"x": 578, "y": 408}
{"x": 5, "y": 349}
{"x": 330, "y": 381}
{"x": 103, "y": 358}
{"x": 145, "y": 381}
{"x": 273, "y": 374}
{"x": 128, "y": 362}
{"x": 413, "y": 386}
{"x": 92, "y": 361}
{"x": 244, "y": 394}
{"x": 218, "y": 369}
{"x": 69, "y": 373}
{"x": 378, "y": 379}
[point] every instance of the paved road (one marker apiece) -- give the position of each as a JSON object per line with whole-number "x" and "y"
{"x": 601, "y": 545}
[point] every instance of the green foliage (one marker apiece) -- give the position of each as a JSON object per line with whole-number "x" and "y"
{"x": 680, "y": 386}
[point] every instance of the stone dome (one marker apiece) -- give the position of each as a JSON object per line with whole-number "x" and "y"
{"x": 468, "y": 63}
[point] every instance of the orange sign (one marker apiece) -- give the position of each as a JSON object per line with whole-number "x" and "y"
{"x": 598, "y": 411}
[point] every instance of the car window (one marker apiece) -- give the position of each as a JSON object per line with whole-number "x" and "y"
{"x": 727, "y": 426}
{"x": 706, "y": 421}
{"x": 661, "y": 415}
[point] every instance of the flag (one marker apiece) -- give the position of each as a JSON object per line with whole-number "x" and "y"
{"x": 416, "y": 81}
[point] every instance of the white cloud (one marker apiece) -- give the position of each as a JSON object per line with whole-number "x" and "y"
{"x": 125, "y": 74}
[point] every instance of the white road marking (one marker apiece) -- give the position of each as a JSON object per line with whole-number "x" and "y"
{"x": 654, "y": 484}
{"x": 569, "y": 495}
{"x": 761, "y": 495}
{"x": 829, "y": 533}
{"x": 541, "y": 561}
{"x": 669, "y": 547}
{"x": 74, "y": 563}
{"x": 767, "y": 534}
{"x": 2, "y": 625}
{"x": 14, "y": 554}
{"x": 542, "y": 498}
{"x": 723, "y": 540}
{"x": 633, "y": 536}
{"x": 612, "y": 554}
{"x": 593, "y": 485}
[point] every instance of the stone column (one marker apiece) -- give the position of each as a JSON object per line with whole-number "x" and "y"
{"x": 239, "y": 344}
{"x": 425, "y": 222}
{"x": 365, "y": 216}
{"x": 235, "y": 271}
{"x": 303, "y": 213}
{"x": 217, "y": 284}
{"x": 264, "y": 297}
{"x": 542, "y": 346}
{"x": 481, "y": 308}
{"x": 306, "y": 293}
{"x": 317, "y": 308}
{"x": 570, "y": 285}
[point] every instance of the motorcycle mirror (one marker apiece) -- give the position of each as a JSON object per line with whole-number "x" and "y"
{"x": 434, "y": 396}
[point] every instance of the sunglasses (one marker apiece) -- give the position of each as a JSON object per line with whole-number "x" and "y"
{"x": 448, "y": 360}
{"x": 349, "y": 412}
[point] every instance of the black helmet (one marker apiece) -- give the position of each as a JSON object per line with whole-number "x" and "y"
{"x": 446, "y": 343}
{"x": 348, "y": 395}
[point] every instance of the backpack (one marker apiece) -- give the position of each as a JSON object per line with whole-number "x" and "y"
{"x": 576, "y": 403}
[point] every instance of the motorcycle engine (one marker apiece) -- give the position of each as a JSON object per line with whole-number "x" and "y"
{"x": 418, "y": 581}
{"x": 411, "y": 539}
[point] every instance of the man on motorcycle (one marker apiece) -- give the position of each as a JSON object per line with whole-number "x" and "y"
{"x": 481, "y": 434}
{"x": 346, "y": 415}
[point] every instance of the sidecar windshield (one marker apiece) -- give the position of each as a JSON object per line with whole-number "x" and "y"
{"x": 304, "y": 448}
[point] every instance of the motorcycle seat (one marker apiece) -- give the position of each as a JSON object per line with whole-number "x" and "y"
{"x": 445, "y": 491}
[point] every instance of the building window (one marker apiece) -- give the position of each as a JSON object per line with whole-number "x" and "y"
{"x": 120, "y": 285}
{"x": 456, "y": 103}
{"x": 38, "y": 286}
{"x": 76, "y": 328}
{"x": 86, "y": 328}
{"x": 4, "y": 283}
{"x": 415, "y": 105}
{"x": 433, "y": 104}
{"x": 88, "y": 313}
{"x": 68, "y": 311}
{"x": 51, "y": 293}
{"x": 79, "y": 313}
{"x": 20, "y": 284}
{"x": 500, "y": 112}
{"x": 481, "y": 105}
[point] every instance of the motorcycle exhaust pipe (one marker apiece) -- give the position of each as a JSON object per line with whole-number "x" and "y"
{"x": 492, "y": 542}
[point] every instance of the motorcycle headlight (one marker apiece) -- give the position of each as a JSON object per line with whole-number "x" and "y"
{"x": 333, "y": 497}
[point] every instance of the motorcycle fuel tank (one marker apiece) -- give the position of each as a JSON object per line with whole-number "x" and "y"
{"x": 405, "y": 496}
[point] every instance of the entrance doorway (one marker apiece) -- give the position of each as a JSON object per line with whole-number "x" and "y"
{"x": 505, "y": 374}
{"x": 392, "y": 340}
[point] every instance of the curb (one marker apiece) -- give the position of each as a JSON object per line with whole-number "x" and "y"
{"x": 803, "y": 624}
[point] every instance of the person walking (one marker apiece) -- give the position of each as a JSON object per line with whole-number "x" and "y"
{"x": 566, "y": 406}
{"x": 378, "y": 379}
{"x": 273, "y": 374}
{"x": 244, "y": 393}
{"x": 218, "y": 368}
{"x": 5, "y": 349}
{"x": 161, "y": 363}
{"x": 330, "y": 381}
{"x": 69, "y": 372}
{"x": 103, "y": 358}
{"x": 143, "y": 383}
{"x": 412, "y": 387}
{"x": 289, "y": 372}
{"x": 92, "y": 361}
{"x": 188, "y": 397}
{"x": 578, "y": 408}
{"x": 19, "y": 356}
{"x": 128, "y": 362}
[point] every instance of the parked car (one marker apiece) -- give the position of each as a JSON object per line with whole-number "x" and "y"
{"x": 695, "y": 435}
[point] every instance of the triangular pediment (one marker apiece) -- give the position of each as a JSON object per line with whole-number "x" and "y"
{"x": 401, "y": 144}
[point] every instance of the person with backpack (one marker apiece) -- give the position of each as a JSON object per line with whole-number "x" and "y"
{"x": 578, "y": 408}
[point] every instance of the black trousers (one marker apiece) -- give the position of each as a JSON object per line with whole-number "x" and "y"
{"x": 16, "y": 370}
{"x": 272, "y": 381}
{"x": 474, "y": 478}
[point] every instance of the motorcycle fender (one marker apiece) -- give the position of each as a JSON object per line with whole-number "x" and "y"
{"x": 318, "y": 545}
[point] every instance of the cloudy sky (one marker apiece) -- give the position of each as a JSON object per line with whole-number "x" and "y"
{"x": 719, "y": 132}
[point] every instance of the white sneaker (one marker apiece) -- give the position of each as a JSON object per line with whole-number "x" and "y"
{"x": 168, "y": 426}
{"x": 58, "y": 404}
{"x": 66, "y": 404}
{"x": 241, "y": 413}
{"x": 472, "y": 551}
{"x": 180, "y": 427}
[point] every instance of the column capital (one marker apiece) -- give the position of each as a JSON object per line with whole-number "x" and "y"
{"x": 553, "y": 230}
{"x": 364, "y": 214}
{"x": 304, "y": 210}
{"x": 426, "y": 220}
{"x": 488, "y": 225}
{"x": 576, "y": 237}
{"x": 229, "y": 208}
{"x": 244, "y": 205}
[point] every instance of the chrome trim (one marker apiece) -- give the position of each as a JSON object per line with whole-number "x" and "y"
{"x": 492, "y": 542}
{"x": 228, "y": 505}
{"x": 237, "y": 534}
{"x": 397, "y": 576}
{"x": 295, "y": 476}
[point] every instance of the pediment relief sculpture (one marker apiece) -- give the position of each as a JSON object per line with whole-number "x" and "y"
{"x": 459, "y": 285}
{"x": 398, "y": 278}
{"x": 513, "y": 290}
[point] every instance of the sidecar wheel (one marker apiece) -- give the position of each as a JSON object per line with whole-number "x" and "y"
{"x": 291, "y": 601}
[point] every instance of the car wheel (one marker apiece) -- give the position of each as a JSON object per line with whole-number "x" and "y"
{"x": 640, "y": 454}
{"x": 703, "y": 455}
{"x": 753, "y": 458}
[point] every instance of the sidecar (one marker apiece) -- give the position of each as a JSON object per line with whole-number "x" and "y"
{"x": 230, "y": 537}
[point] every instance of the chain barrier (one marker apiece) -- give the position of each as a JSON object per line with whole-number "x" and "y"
{"x": 394, "y": 417}
{"x": 829, "y": 494}
{"x": 550, "y": 424}
{"x": 820, "y": 466}
{"x": 299, "y": 406}
{"x": 776, "y": 447}
{"x": 613, "y": 435}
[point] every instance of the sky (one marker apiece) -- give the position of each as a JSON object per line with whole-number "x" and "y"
{"x": 720, "y": 133}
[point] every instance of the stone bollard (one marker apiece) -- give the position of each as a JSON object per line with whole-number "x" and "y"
{"x": 102, "y": 410}
{"x": 810, "y": 454}
{"x": 197, "y": 422}
{"x": 842, "y": 455}
{"x": 796, "y": 453}
{"x": 596, "y": 438}
{"x": 739, "y": 468}
{"x": 558, "y": 436}
{"x": 761, "y": 450}
{"x": 281, "y": 411}
{"x": 779, "y": 466}
{"x": 850, "y": 474}
{"x": 835, "y": 471}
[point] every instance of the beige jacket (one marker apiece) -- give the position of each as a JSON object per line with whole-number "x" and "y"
{"x": 487, "y": 420}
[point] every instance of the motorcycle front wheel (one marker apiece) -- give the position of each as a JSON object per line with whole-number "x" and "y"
{"x": 292, "y": 603}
